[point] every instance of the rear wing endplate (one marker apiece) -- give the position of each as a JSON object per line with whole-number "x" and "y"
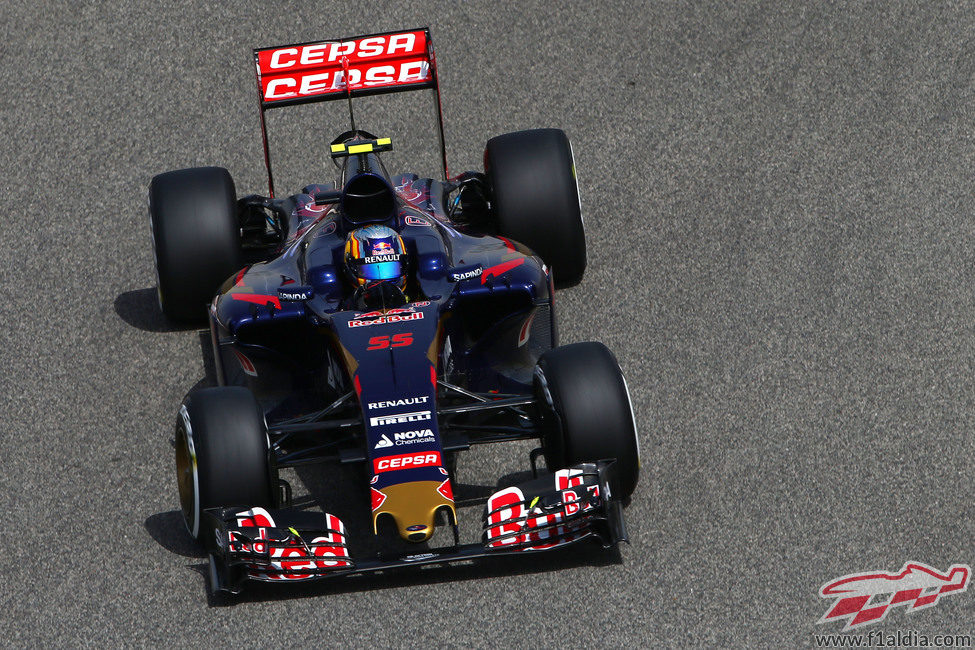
{"x": 351, "y": 67}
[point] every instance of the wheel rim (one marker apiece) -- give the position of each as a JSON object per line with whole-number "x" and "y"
{"x": 187, "y": 475}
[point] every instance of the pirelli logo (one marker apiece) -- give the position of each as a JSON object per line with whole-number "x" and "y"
{"x": 400, "y": 418}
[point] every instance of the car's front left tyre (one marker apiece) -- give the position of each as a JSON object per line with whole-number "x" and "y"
{"x": 535, "y": 198}
{"x": 587, "y": 413}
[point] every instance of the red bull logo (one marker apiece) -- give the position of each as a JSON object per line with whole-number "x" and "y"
{"x": 388, "y": 318}
{"x": 388, "y": 312}
{"x": 865, "y": 598}
{"x": 382, "y": 247}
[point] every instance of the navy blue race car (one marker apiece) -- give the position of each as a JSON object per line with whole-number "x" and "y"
{"x": 388, "y": 321}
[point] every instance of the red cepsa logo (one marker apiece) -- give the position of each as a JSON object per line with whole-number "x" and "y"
{"x": 406, "y": 461}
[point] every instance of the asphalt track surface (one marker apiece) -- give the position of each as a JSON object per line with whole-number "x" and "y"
{"x": 778, "y": 202}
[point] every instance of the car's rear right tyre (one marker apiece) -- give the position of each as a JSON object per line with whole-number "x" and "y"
{"x": 196, "y": 238}
{"x": 587, "y": 411}
{"x": 222, "y": 455}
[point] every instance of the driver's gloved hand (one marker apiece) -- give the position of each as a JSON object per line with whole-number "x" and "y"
{"x": 380, "y": 295}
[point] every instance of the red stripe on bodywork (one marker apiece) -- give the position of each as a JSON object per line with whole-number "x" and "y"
{"x": 507, "y": 242}
{"x": 446, "y": 490}
{"x": 245, "y": 363}
{"x": 257, "y": 299}
{"x": 500, "y": 269}
{"x": 377, "y": 498}
{"x": 525, "y": 330}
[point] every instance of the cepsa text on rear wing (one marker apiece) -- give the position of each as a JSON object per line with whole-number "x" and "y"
{"x": 350, "y": 67}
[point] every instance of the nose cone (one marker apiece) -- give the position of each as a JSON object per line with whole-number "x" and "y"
{"x": 413, "y": 507}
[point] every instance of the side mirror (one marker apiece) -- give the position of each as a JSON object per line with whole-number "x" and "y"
{"x": 330, "y": 196}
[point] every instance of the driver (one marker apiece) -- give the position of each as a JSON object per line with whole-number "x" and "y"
{"x": 376, "y": 263}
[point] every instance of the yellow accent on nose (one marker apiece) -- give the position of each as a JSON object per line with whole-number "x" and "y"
{"x": 361, "y": 148}
{"x": 414, "y": 504}
{"x": 382, "y": 141}
{"x": 338, "y": 148}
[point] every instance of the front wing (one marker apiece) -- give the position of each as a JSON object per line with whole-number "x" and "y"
{"x": 294, "y": 545}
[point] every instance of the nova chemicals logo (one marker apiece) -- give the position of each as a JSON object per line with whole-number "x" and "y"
{"x": 409, "y": 437}
{"x": 414, "y": 435}
{"x": 866, "y": 598}
{"x": 406, "y": 438}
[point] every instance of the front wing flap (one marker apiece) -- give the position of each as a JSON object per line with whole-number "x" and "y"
{"x": 296, "y": 545}
{"x": 273, "y": 545}
{"x": 555, "y": 510}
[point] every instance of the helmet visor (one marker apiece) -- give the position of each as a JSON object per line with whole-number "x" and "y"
{"x": 381, "y": 271}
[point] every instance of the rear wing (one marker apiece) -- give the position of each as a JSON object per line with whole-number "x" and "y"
{"x": 351, "y": 67}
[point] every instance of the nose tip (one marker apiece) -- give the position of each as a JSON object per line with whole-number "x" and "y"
{"x": 417, "y": 532}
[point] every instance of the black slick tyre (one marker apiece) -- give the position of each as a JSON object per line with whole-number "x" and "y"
{"x": 196, "y": 238}
{"x": 221, "y": 453}
{"x": 587, "y": 415}
{"x": 536, "y": 199}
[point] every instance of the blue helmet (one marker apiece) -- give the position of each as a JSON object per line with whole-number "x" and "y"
{"x": 376, "y": 254}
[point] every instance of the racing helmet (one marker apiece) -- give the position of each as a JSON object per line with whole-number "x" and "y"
{"x": 375, "y": 254}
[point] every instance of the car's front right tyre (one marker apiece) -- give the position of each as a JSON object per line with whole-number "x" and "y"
{"x": 195, "y": 238}
{"x": 222, "y": 456}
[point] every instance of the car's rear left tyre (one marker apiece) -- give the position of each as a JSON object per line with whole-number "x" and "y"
{"x": 196, "y": 238}
{"x": 221, "y": 453}
{"x": 587, "y": 414}
{"x": 536, "y": 199}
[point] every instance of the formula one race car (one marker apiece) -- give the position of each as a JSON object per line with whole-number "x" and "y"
{"x": 389, "y": 322}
